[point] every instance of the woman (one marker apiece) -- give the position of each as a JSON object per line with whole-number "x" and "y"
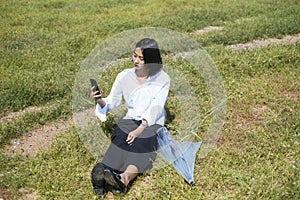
{"x": 145, "y": 88}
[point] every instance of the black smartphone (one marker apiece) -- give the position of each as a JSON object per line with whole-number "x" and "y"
{"x": 95, "y": 85}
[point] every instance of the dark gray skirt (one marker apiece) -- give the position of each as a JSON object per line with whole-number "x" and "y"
{"x": 141, "y": 153}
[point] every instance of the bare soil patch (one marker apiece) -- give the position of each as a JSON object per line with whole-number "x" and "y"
{"x": 23, "y": 194}
{"x": 291, "y": 95}
{"x": 263, "y": 112}
{"x": 11, "y": 115}
{"x": 4, "y": 194}
{"x": 139, "y": 188}
{"x": 38, "y": 139}
{"x": 207, "y": 29}
{"x": 142, "y": 186}
{"x": 265, "y": 42}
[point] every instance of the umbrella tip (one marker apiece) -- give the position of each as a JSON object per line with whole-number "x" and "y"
{"x": 192, "y": 183}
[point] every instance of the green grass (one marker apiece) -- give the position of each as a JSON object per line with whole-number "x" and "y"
{"x": 43, "y": 44}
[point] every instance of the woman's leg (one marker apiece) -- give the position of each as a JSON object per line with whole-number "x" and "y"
{"x": 142, "y": 154}
{"x": 129, "y": 160}
{"x": 142, "y": 151}
{"x": 129, "y": 174}
{"x": 113, "y": 159}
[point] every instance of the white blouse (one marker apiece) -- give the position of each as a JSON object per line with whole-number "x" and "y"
{"x": 143, "y": 101}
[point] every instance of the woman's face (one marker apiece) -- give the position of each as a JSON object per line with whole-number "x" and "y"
{"x": 138, "y": 58}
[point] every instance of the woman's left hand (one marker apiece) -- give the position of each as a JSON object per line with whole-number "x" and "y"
{"x": 133, "y": 134}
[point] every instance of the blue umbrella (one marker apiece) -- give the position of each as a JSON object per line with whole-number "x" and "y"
{"x": 181, "y": 155}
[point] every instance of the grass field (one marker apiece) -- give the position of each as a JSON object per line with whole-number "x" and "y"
{"x": 43, "y": 44}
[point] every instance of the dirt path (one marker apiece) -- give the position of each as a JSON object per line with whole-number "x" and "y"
{"x": 207, "y": 30}
{"x": 38, "y": 139}
{"x": 11, "y": 115}
{"x": 252, "y": 44}
{"x": 265, "y": 42}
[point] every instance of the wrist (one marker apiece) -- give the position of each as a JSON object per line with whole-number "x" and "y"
{"x": 101, "y": 102}
{"x": 98, "y": 100}
{"x": 143, "y": 125}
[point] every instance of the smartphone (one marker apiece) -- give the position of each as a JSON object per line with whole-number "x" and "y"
{"x": 95, "y": 84}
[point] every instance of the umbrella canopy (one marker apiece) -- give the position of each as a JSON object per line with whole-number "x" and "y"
{"x": 181, "y": 155}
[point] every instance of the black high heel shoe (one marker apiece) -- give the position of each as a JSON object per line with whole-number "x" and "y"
{"x": 115, "y": 181}
{"x": 98, "y": 181}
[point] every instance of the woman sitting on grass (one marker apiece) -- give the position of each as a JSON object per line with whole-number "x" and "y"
{"x": 145, "y": 88}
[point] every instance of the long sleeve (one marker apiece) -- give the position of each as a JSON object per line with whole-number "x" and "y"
{"x": 112, "y": 100}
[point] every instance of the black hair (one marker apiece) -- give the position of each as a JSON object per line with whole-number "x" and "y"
{"x": 151, "y": 54}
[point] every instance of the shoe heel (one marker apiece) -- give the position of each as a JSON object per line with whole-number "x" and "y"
{"x": 99, "y": 191}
